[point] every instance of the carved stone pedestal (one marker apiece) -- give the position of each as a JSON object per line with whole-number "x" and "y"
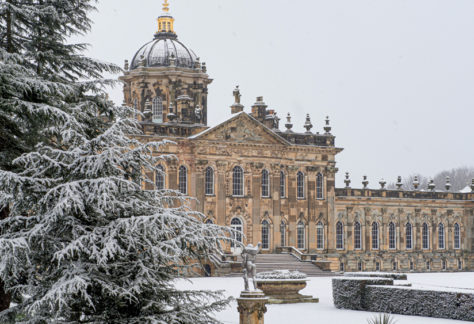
{"x": 252, "y": 307}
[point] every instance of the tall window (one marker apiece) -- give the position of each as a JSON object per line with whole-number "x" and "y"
{"x": 209, "y": 181}
{"x": 425, "y": 235}
{"x": 391, "y": 236}
{"x": 183, "y": 180}
{"x": 441, "y": 236}
{"x": 319, "y": 186}
{"x": 375, "y": 236}
{"x": 135, "y": 106}
{"x": 238, "y": 181}
{"x": 283, "y": 233}
{"x": 237, "y": 230}
{"x": 300, "y": 185}
{"x": 457, "y": 236}
{"x": 160, "y": 178}
{"x": 300, "y": 234}
{"x": 265, "y": 239}
{"x": 282, "y": 185}
{"x": 357, "y": 236}
{"x": 157, "y": 110}
{"x": 320, "y": 236}
{"x": 339, "y": 236}
{"x": 265, "y": 184}
{"x": 409, "y": 235}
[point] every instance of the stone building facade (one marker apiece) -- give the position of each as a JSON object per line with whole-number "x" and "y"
{"x": 278, "y": 186}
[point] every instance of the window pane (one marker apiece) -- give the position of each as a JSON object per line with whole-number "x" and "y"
{"x": 265, "y": 239}
{"x": 183, "y": 179}
{"x": 409, "y": 236}
{"x": 160, "y": 178}
{"x": 357, "y": 236}
{"x": 265, "y": 184}
{"x": 157, "y": 110}
{"x": 282, "y": 185}
{"x": 209, "y": 181}
{"x": 375, "y": 236}
{"x": 319, "y": 186}
{"x": 391, "y": 236}
{"x": 320, "y": 236}
{"x": 237, "y": 182}
{"x": 300, "y": 185}
{"x": 339, "y": 236}
{"x": 301, "y": 235}
{"x": 425, "y": 236}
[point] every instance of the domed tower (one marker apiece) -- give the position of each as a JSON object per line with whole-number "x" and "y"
{"x": 167, "y": 82}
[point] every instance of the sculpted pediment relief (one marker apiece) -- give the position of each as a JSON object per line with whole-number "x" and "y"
{"x": 242, "y": 129}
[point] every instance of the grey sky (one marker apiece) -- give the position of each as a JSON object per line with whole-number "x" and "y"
{"x": 395, "y": 77}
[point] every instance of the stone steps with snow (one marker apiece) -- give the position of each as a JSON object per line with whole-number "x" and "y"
{"x": 270, "y": 262}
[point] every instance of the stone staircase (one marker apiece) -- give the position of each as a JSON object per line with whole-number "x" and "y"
{"x": 284, "y": 261}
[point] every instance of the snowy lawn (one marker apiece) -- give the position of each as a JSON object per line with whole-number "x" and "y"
{"x": 324, "y": 311}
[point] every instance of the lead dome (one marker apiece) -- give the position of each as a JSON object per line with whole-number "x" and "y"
{"x": 159, "y": 51}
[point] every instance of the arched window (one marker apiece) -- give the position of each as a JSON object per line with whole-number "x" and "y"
{"x": 183, "y": 180}
{"x": 425, "y": 235}
{"x": 441, "y": 236}
{"x": 320, "y": 236}
{"x": 157, "y": 110}
{"x": 339, "y": 236}
{"x": 300, "y": 235}
{"x": 265, "y": 184}
{"x": 283, "y": 233}
{"x": 237, "y": 230}
{"x": 375, "y": 236}
{"x": 319, "y": 186}
{"x": 409, "y": 236}
{"x": 209, "y": 183}
{"x": 391, "y": 236}
{"x": 357, "y": 236}
{"x": 265, "y": 235}
{"x": 282, "y": 185}
{"x": 160, "y": 178}
{"x": 300, "y": 185}
{"x": 457, "y": 236}
{"x": 238, "y": 181}
{"x": 209, "y": 221}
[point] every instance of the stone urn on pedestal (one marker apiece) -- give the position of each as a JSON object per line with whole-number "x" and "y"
{"x": 283, "y": 286}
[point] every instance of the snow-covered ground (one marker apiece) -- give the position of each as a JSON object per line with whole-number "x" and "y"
{"x": 324, "y": 311}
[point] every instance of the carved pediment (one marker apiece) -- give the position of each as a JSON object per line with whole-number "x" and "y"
{"x": 242, "y": 128}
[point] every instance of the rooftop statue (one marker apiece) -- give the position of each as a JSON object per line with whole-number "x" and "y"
{"x": 249, "y": 256}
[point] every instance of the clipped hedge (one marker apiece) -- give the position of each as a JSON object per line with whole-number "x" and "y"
{"x": 379, "y": 295}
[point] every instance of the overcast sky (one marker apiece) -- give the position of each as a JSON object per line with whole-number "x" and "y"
{"x": 396, "y": 77}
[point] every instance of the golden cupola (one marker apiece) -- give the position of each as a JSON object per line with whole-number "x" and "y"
{"x": 165, "y": 20}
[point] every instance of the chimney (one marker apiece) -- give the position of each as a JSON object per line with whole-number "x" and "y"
{"x": 259, "y": 110}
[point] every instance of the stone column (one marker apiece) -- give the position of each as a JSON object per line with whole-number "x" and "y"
{"x": 251, "y": 307}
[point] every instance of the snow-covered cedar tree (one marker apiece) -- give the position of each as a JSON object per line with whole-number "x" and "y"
{"x": 38, "y": 74}
{"x": 83, "y": 242}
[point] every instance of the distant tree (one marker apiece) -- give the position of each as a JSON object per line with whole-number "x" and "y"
{"x": 460, "y": 178}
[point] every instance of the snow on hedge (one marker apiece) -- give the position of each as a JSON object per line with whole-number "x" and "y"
{"x": 379, "y": 295}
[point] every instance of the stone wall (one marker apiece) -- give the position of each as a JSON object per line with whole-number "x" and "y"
{"x": 379, "y": 295}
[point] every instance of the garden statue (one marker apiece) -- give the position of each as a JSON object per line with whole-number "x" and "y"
{"x": 249, "y": 256}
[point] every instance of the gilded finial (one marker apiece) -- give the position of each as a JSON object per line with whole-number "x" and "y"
{"x": 166, "y": 6}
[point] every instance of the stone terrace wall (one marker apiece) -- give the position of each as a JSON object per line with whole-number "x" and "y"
{"x": 379, "y": 295}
